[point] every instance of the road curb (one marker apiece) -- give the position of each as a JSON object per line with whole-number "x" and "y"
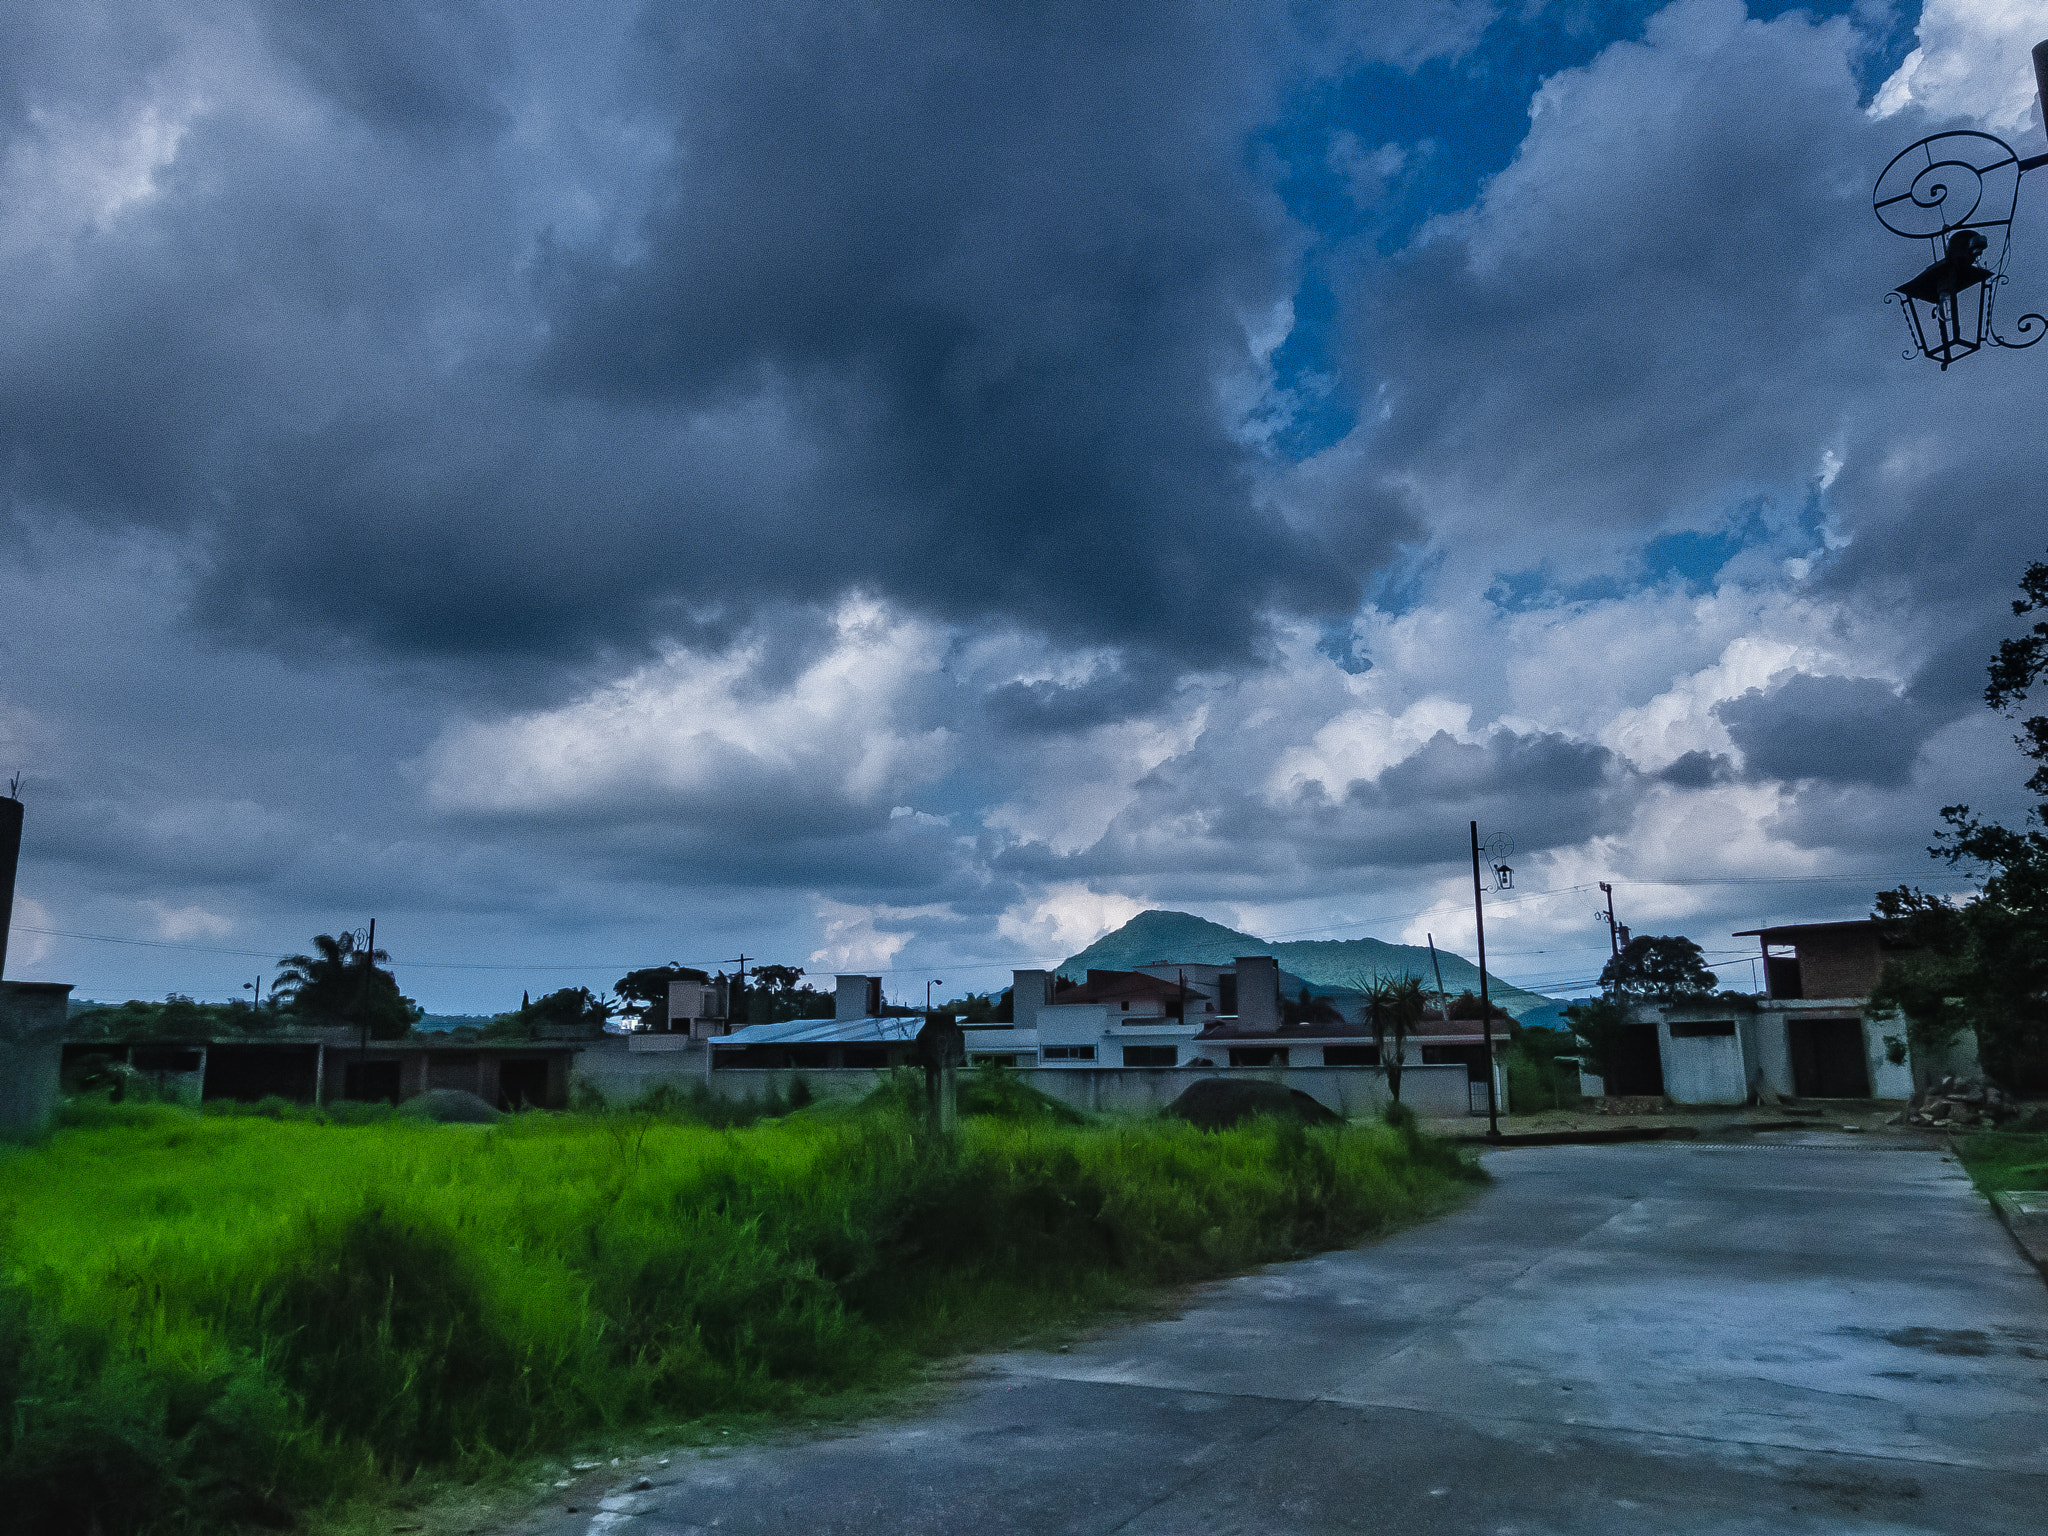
{"x": 1584, "y": 1138}
{"x": 2025, "y": 1215}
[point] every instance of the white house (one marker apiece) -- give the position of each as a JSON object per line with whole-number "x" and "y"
{"x": 1812, "y": 1035}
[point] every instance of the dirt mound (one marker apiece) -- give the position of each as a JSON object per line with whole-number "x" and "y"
{"x": 449, "y": 1106}
{"x": 1215, "y": 1102}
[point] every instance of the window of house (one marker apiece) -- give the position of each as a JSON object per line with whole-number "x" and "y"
{"x": 1068, "y": 1053}
{"x": 1127, "y": 1007}
{"x": 1259, "y": 1056}
{"x": 991, "y": 1059}
{"x": 1351, "y": 1055}
{"x": 1151, "y": 1055}
{"x": 1698, "y": 1029}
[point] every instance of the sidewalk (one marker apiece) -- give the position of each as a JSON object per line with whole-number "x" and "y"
{"x": 1713, "y": 1122}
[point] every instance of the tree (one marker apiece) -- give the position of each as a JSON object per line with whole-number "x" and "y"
{"x": 1543, "y": 1066}
{"x": 983, "y": 1008}
{"x": 1658, "y": 969}
{"x": 569, "y": 1008}
{"x": 646, "y": 990}
{"x": 775, "y": 996}
{"x": 1598, "y": 1022}
{"x": 2019, "y": 667}
{"x": 1982, "y": 964}
{"x": 340, "y": 983}
{"x": 1394, "y": 1005}
{"x": 1466, "y": 1005}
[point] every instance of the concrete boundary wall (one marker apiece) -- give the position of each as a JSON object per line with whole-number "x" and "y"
{"x": 1355, "y": 1092}
{"x": 31, "y": 1055}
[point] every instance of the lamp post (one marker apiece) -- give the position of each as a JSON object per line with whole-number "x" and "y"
{"x": 1958, "y": 191}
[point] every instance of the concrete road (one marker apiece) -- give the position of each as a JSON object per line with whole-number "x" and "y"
{"x": 1821, "y": 1337}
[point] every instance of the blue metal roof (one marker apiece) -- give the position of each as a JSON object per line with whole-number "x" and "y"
{"x": 823, "y": 1032}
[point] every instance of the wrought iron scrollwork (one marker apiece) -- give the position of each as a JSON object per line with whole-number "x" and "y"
{"x": 2037, "y": 324}
{"x": 1941, "y": 184}
{"x": 1936, "y": 190}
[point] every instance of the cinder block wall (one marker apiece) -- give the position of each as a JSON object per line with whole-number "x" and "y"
{"x": 31, "y": 1055}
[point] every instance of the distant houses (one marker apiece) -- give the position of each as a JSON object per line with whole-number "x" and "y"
{"x": 1115, "y": 1038}
{"x": 1164, "y": 1016}
{"x": 1810, "y": 1036}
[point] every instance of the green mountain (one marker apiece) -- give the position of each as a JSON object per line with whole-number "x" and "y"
{"x": 1156, "y": 936}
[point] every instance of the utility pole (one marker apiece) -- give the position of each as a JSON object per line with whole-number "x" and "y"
{"x": 1443, "y": 998}
{"x": 736, "y": 1000}
{"x": 1613, "y": 942}
{"x": 1485, "y": 1008}
{"x": 363, "y": 999}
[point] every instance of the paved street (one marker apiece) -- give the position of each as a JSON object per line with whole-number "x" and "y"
{"x": 1743, "y": 1338}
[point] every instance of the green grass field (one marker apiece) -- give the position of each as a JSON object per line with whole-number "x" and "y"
{"x": 215, "y": 1321}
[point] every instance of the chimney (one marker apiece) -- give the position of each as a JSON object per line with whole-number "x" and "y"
{"x": 10, "y": 856}
{"x": 1030, "y": 991}
{"x": 856, "y": 997}
{"x": 1258, "y": 992}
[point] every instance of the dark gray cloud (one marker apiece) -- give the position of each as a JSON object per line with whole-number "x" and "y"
{"x": 1847, "y": 730}
{"x": 1189, "y": 822}
{"x": 1697, "y": 770}
{"x": 486, "y": 379}
{"x": 437, "y": 328}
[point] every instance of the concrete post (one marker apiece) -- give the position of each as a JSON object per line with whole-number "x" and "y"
{"x": 32, "y": 1017}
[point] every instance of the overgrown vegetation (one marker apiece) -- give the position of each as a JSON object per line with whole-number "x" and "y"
{"x": 1982, "y": 966}
{"x": 177, "y": 1016}
{"x": 2010, "y": 1159}
{"x": 1542, "y": 1069}
{"x": 227, "y": 1320}
{"x": 570, "y": 1010}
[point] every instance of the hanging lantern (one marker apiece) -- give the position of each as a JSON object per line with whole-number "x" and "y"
{"x": 1957, "y": 191}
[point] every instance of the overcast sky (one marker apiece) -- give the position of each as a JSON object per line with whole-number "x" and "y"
{"x": 903, "y": 487}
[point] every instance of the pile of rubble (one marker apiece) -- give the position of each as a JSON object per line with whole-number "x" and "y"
{"x": 1960, "y": 1101}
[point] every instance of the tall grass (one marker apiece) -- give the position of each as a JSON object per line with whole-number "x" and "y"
{"x": 213, "y": 1321}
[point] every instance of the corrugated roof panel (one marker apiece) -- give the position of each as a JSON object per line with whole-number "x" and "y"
{"x": 823, "y": 1032}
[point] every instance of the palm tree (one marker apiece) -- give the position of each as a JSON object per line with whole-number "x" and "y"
{"x": 1394, "y": 1005}
{"x": 343, "y": 983}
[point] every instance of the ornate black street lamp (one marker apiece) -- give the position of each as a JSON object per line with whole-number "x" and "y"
{"x": 1958, "y": 191}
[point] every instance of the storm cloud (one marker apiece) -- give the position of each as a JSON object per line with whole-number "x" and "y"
{"x": 1847, "y": 730}
{"x": 909, "y": 485}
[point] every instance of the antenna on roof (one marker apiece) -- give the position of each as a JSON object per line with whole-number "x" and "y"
{"x": 14, "y": 787}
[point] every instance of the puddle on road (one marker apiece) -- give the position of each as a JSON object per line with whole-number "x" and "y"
{"x": 2027, "y": 1343}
